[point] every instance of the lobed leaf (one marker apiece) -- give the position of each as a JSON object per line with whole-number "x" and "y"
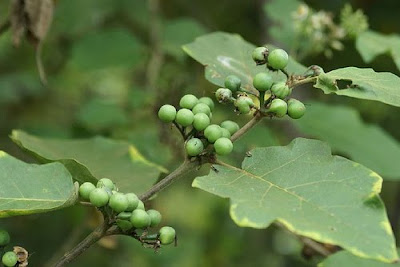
{"x": 346, "y": 259}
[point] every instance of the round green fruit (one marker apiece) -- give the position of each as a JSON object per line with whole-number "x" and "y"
{"x": 223, "y": 146}
{"x": 140, "y": 205}
{"x": 223, "y": 95}
{"x": 244, "y": 104}
{"x": 208, "y": 101}
{"x": 107, "y": 183}
{"x": 99, "y": 197}
{"x": 225, "y": 133}
{"x": 124, "y": 225}
{"x": 296, "y": 109}
{"x": 278, "y": 59}
{"x": 281, "y": 90}
{"x": 201, "y": 108}
{"x": 155, "y": 217}
{"x": 167, "y": 113}
{"x": 85, "y": 189}
{"x": 201, "y": 121}
{"x": 188, "y": 101}
{"x": 125, "y": 215}
{"x": 278, "y": 107}
{"x": 140, "y": 219}
{"x": 212, "y": 133}
{"x": 133, "y": 201}
{"x": 259, "y": 55}
{"x": 194, "y": 147}
{"x": 4, "y": 238}
{"x": 9, "y": 259}
{"x": 262, "y": 81}
{"x": 184, "y": 117}
{"x": 118, "y": 202}
{"x": 167, "y": 235}
{"x": 233, "y": 83}
{"x": 231, "y": 126}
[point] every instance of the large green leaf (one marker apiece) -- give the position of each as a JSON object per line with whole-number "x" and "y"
{"x": 95, "y": 158}
{"x": 31, "y": 188}
{"x": 328, "y": 198}
{"x": 346, "y": 259}
{"x": 371, "y": 44}
{"x": 224, "y": 54}
{"x": 365, "y": 84}
{"x": 346, "y": 133}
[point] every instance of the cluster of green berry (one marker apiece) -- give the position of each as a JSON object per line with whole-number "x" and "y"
{"x": 196, "y": 113}
{"x": 128, "y": 210}
{"x": 10, "y": 258}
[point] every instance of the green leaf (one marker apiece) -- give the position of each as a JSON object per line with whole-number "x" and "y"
{"x": 346, "y": 133}
{"x": 94, "y": 158}
{"x": 224, "y": 54}
{"x": 31, "y": 188}
{"x": 346, "y": 259}
{"x": 365, "y": 84}
{"x": 371, "y": 44}
{"x": 302, "y": 186}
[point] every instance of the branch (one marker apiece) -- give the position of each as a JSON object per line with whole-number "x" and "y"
{"x": 247, "y": 126}
{"x": 296, "y": 83}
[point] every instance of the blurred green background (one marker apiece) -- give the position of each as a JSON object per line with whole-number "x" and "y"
{"x": 110, "y": 65}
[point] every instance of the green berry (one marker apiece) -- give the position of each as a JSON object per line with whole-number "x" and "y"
{"x": 188, "y": 101}
{"x": 281, "y": 90}
{"x": 223, "y": 95}
{"x": 99, "y": 197}
{"x": 262, "y": 81}
{"x": 155, "y": 217}
{"x": 184, "y": 117}
{"x": 118, "y": 202}
{"x": 201, "y": 121}
{"x": 223, "y": 146}
{"x": 231, "y": 126}
{"x": 225, "y": 133}
{"x": 85, "y": 189}
{"x": 194, "y": 147}
{"x": 125, "y": 215}
{"x": 213, "y": 132}
{"x": 140, "y": 205}
{"x": 259, "y": 55}
{"x": 167, "y": 235}
{"x": 278, "y": 107}
{"x": 140, "y": 219}
{"x": 133, "y": 201}
{"x": 124, "y": 225}
{"x": 4, "y": 238}
{"x": 167, "y": 113}
{"x": 107, "y": 183}
{"x": 201, "y": 108}
{"x": 233, "y": 83}
{"x": 278, "y": 59}
{"x": 208, "y": 101}
{"x": 296, "y": 109}
{"x": 244, "y": 104}
{"x": 9, "y": 259}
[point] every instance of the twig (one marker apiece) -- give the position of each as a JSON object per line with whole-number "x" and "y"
{"x": 181, "y": 130}
{"x": 315, "y": 246}
{"x": 296, "y": 83}
{"x": 247, "y": 126}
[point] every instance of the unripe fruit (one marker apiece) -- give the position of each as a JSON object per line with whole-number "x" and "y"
{"x": 201, "y": 121}
{"x": 125, "y": 215}
{"x": 278, "y": 107}
{"x": 188, "y": 101}
{"x": 9, "y": 259}
{"x": 140, "y": 205}
{"x": 225, "y": 133}
{"x": 140, "y": 219}
{"x": 244, "y": 104}
{"x": 223, "y": 146}
{"x": 262, "y": 81}
{"x": 233, "y": 83}
{"x": 124, "y": 225}
{"x": 281, "y": 90}
{"x": 155, "y": 217}
{"x": 223, "y": 95}
{"x": 184, "y": 117}
{"x": 85, "y": 189}
{"x": 133, "y": 201}
{"x": 4, "y": 238}
{"x": 259, "y": 55}
{"x": 278, "y": 59}
{"x": 201, "y": 108}
{"x": 167, "y": 113}
{"x": 231, "y": 126}
{"x": 107, "y": 183}
{"x": 208, "y": 101}
{"x": 118, "y": 202}
{"x": 296, "y": 109}
{"x": 167, "y": 235}
{"x": 194, "y": 147}
{"x": 99, "y": 197}
{"x": 212, "y": 133}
